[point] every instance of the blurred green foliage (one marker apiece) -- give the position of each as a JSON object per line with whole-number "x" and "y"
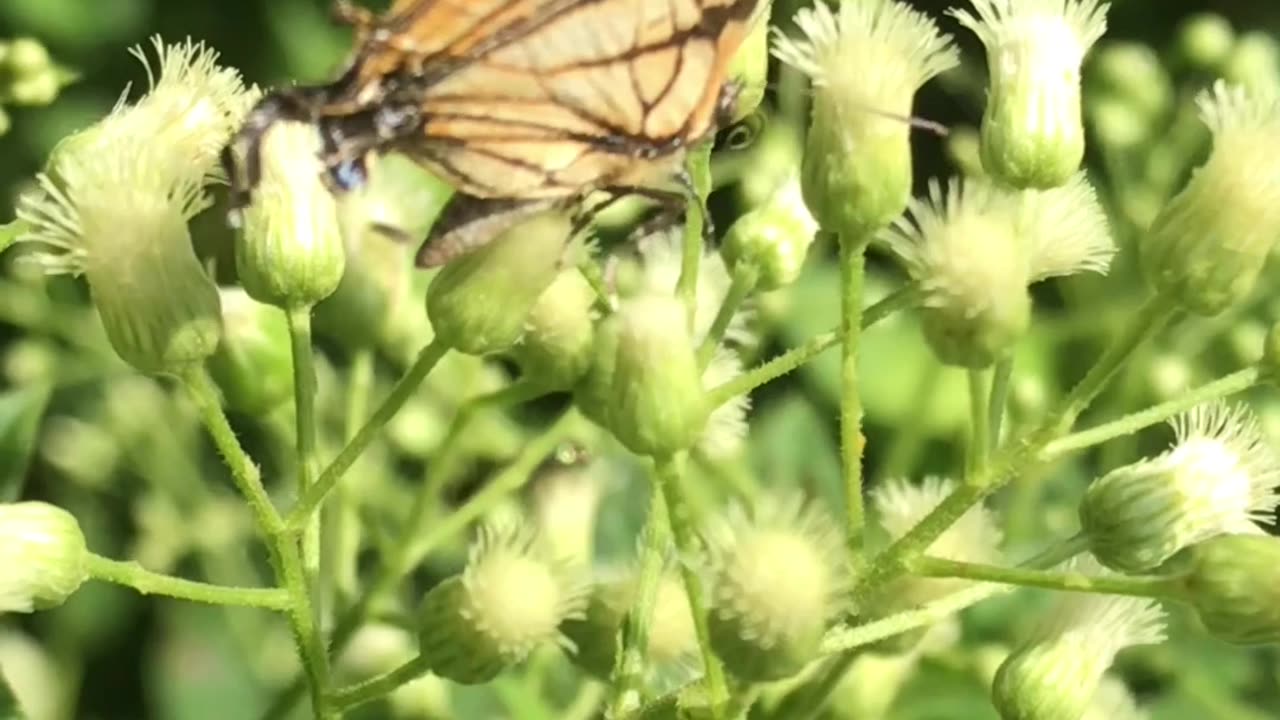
{"x": 127, "y": 458}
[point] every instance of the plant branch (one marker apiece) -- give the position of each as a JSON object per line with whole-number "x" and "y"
{"x": 133, "y": 575}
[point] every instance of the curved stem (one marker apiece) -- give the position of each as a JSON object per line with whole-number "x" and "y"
{"x": 668, "y": 475}
{"x": 399, "y": 395}
{"x": 133, "y": 575}
{"x": 740, "y": 287}
{"x": 698, "y": 165}
{"x": 286, "y": 557}
{"x": 853, "y": 265}
{"x": 796, "y": 357}
{"x": 380, "y": 685}
{"x": 244, "y": 473}
{"x": 1236, "y": 382}
{"x": 1162, "y": 587}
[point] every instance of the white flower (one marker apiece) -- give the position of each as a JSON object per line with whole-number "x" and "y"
{"x": 726, "y": 430}
{"x": 1056, "y": 672}
{"x": 1220, "y": 476}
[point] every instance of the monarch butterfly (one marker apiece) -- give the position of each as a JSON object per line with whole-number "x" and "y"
{"x": 520, "y": 104}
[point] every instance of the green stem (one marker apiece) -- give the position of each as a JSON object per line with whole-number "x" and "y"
{"x": 807, "y": 700}
{"x": 979, "y": 448}
{"x": 408, "y": 553}
{"x": 740, "y": 287}
{"x": 511, "y": 479}
{"x": 698, "y": 166}
{"x": 286, "y": 557}
{"x": 1000, "y": 383}
{"x": 304, "y": 406}
{"x": 304, "y": 394}
{"x": 1154, "y": 314}
{"x": 133, "y": 575}
{"x": 338, "y": 554}
{"x": 853, "y": 266}
{"x": 1236, "y": 382}
{"x": 244, "y": 473}
{"x": 1162, "y": 587}
{"x": 399, "y": 395}
{"x": 1014, "y": 458}
{"x": 380, "y": 685}
{"x": 669, "y": 476}
{"x": 628, "y": 672}
{"x": 796, "y": 357}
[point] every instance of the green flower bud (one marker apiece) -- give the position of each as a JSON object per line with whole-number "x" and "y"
{"x": 1219, "y": 476}
{"x": 253, "y": 366}
{"x": 480, "y": 302}
{"x": 565, "y": 501}
{"x": 857, "y": 174}
{"x": 506, "y": 603}
{"x": 556, "y": 348}
{"x": 1233, "y": 582}
{"x": 775, "y": 582}
{"x": 35, "y": 90}
{"x": 1032, "y": 130}
{"x": 26, "y": 56}
{"x": 1205, "y": 41}
{"x": 750, "y": 66}
{"x": 43, "y": 554}
{"x": 290, "y": 253}
{"x": 1255, "y": 63}
{"x": 1132, "y": 74}
{"x": 119, "y": 216}
{"x": 672, "y": 639}
{"x": 772, "y": 240}
{"x": 1056, "y": 673}
{"x": 644, "y": 384}
{"x": 1207, "y": 247}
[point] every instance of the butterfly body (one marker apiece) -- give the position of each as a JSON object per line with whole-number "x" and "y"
{"x": 519, "y": 104}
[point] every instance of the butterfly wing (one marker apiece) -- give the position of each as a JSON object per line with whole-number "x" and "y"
{"x": 541, "y": 98}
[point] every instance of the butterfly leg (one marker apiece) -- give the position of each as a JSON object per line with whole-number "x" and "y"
{"x": 469, "y": 223}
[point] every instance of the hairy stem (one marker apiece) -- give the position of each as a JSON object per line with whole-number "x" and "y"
{"x": 133, "y": 575}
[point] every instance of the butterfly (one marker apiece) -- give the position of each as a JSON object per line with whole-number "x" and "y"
{"x": 521, "y": 105}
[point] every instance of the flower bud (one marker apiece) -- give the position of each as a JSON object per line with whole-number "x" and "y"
{"x": 725, "y": 435}
{"x": 1255, "y": 63}
{"x": 1032, "y": 130}
{"x": 644, "y": 384}
{"x": 772, "y": 240}
{"x": 506, "y": 603}
{"x": 25, "y": 56}
{"x": 857, "y": 174}
{"x": 1220, "y": 476}
{"x": 479, "y": 303}
{"x": 119, "y": 216}
{"x": 775, "y": 582}
{"x": 672, "y": 639}
{"x": 555, "y": 350}
{"x": 1132, "y": 74}
{"x": 290, "y": 253}
{"x": 1207, "y": 247}
{"x": 1234, "y": 584}
{"x": 253, "y": 366}
{"x": 1055, "y": 674}
{"x": 750, "y": 65}
{"x": 1205, "y": 41}
{"x": 43, "y": 556}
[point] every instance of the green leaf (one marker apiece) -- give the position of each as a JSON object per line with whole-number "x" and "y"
{"x": 9, "y": 232}
{"x": 20, "y": 414}
{"x": 9, "y": 709}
